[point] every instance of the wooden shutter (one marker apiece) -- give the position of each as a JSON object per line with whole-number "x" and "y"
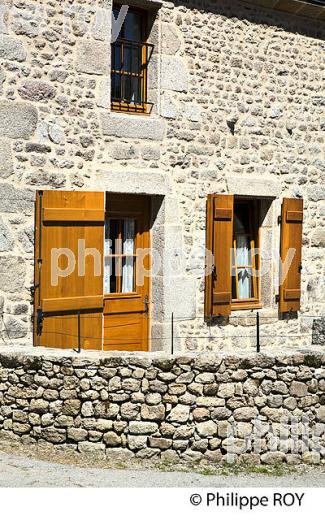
{"x": 291, "y": 242}
{"x": 73, "y": 221}
{"x": 219, "y": 229}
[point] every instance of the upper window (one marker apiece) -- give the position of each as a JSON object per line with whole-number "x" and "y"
{"x": 130, "y": 57}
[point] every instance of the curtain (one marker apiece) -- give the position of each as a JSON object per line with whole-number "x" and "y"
{"x": 107, "y": 260}
{"x": 128, "y": 262}
{"x": 244, "y": 274}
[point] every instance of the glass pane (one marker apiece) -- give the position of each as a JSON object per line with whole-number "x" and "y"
{"x": 128, "y": 249}
{"x": 132, "y": 89}
{"x": 132, "y": 27}
{"x": 132, "y": 58}
{"x": 116, "y": 87}
{"x": 243, "y": 253}
{"x": 244, "y": 283}
{"x": 116, "y": 56}
{"x": 241, "y": 218}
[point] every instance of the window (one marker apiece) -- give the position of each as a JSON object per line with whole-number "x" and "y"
{"x": 120, "y": 237}
{"x": 245, "y": 283}
{"x": 130, "y": 56}
{"x": 233, "y": 229}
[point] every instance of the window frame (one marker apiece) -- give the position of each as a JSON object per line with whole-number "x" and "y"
{"x": 255, "y": 229}
{"x": 123, "y": 106}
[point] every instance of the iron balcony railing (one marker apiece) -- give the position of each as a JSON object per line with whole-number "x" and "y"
{"x": 130, "y": 61}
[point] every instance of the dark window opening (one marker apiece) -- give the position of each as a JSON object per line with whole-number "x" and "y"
{"x": 130, "y": 57}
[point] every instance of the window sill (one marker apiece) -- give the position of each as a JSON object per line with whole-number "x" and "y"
{"x": 246, "y": 306}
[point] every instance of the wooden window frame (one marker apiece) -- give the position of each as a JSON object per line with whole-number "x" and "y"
{"x": 255, "y": 229}
{"x": 123, "y": 106}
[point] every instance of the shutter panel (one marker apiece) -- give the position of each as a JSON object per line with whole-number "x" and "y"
{"x": 291, "y": 244}
{"x": 219, "y": 228}
{"x": 69, "y": 229}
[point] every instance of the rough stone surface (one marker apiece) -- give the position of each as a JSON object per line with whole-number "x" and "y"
{"x": 17, "y": 120}
{"x": 6, "y": 163}
{"x": 34, "y": 90}
{"x": 39, "y": 402}
{"x": 132, "y": 127}
{"x": 93, "y": 58}
{"x": 173, "y": 74}
{"x": 11, "y": 49}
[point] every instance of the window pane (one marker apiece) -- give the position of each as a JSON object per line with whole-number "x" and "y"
{"x": 116, "y": 56}
{"x": 116, "y": 86}
{"x": 132, "y": 89}
{"x": 132, "y": 27}
{"x": 241, "y": 218}
{"x": 243, "y": 254}
{"x": 128, "y": 249}
{"x": 244, "y": 283}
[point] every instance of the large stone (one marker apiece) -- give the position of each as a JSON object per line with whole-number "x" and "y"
{"x": 142, "y": 427}
{"x": 35, "y": 90}
{"x": 207, "y": 429}
{"x": 6, "y": 241}
{"x": 11, "y": 49}
{"x": 318, "y": 238}
{"x": 16, "y": 200}
{"x": 93, "y": 57}
{"x": 179, "y": 414}
{"x": 316, "y": 192}
{"x": 174, "y": 75}
{"x": 140, "y": 127}
{"x": 6, "y": 164}
{"x": 254, "y": 186}
{"x": 298, "y": 389}
{"x": 273, "y": 457}
{"x": 14, "y": 327}
{"x": 145, "y": 182}
{"x": 318, "y": 337}
{"x": 245, "y": 414}
{"x": 12, "y": 274}
{"x": 170, "y": 42}
{"x": 17, "y": 120}
{"x": 112, "y": 439}
{"x": 153, "y": 413}
{"x": 77, "y": 434}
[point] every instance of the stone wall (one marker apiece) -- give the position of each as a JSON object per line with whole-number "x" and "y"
{"x": 216, "y": 408}
{"x": 238, "y": 108}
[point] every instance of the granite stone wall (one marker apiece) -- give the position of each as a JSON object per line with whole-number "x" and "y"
{"x": 218, "y": 408}
{"x": 238, "y": 107}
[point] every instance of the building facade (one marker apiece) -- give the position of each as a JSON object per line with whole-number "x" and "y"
{"x": 196, "y": 136}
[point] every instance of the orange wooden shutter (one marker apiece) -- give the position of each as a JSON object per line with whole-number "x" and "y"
{"x": 291, "y": 243}
{"x": 219, "y": 229}
{"x": 69, "y": 228}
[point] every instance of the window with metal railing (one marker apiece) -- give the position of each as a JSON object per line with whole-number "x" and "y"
{"x": 130, "y": 57}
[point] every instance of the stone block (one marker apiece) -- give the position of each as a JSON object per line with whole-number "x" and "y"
{"x": 35, "y": 90}
{"x": 6, "y": 240}
{"x": 153, "y": 413}
{"x": 102, "y": 26}
{"x": 180, "y": 414}
{"x": 316, "y": 192}
{"x": 207, "y": 429}
{"x": 140, "y": 182}
{"x": 174, "y": 74}
{"x": 12, "y": 274}
{"x": 93, "y": 57}
{"x": 140, "y": 127}
{"x": 298, "y": 389}
{"x": 6, "y": 164}
{"x": 170, "y": 42}
{"x": 254, "y": 186}
{"x": 168, "y": 107}
{"x": 11, "y": 49}
{"x": 142, "y": 427}
{"x": 17, "y": 120}
{"x": 318, "y": 337}
{"x": 318, "y": 238}
{"x": 103, "y": 93}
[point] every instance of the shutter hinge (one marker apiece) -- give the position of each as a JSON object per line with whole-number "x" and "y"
{"x": 146, "y": 304}
{"x": 279, "y": 220}
{"x": 300, "y": 268}
{"x": 40, "y": 319}
{"x": 277, "y": 298}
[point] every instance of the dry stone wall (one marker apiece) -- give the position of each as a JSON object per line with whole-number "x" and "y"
{"x": 251, "y": 409}
{"x": 238, "y": 108}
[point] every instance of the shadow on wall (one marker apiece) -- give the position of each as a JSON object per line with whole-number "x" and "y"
{"x": 242, "y": 10}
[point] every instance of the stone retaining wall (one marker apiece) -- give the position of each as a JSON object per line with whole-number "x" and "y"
{"x": 174, "y": 408}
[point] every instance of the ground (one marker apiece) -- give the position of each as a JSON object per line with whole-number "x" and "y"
{"x": 28, "y": 468}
